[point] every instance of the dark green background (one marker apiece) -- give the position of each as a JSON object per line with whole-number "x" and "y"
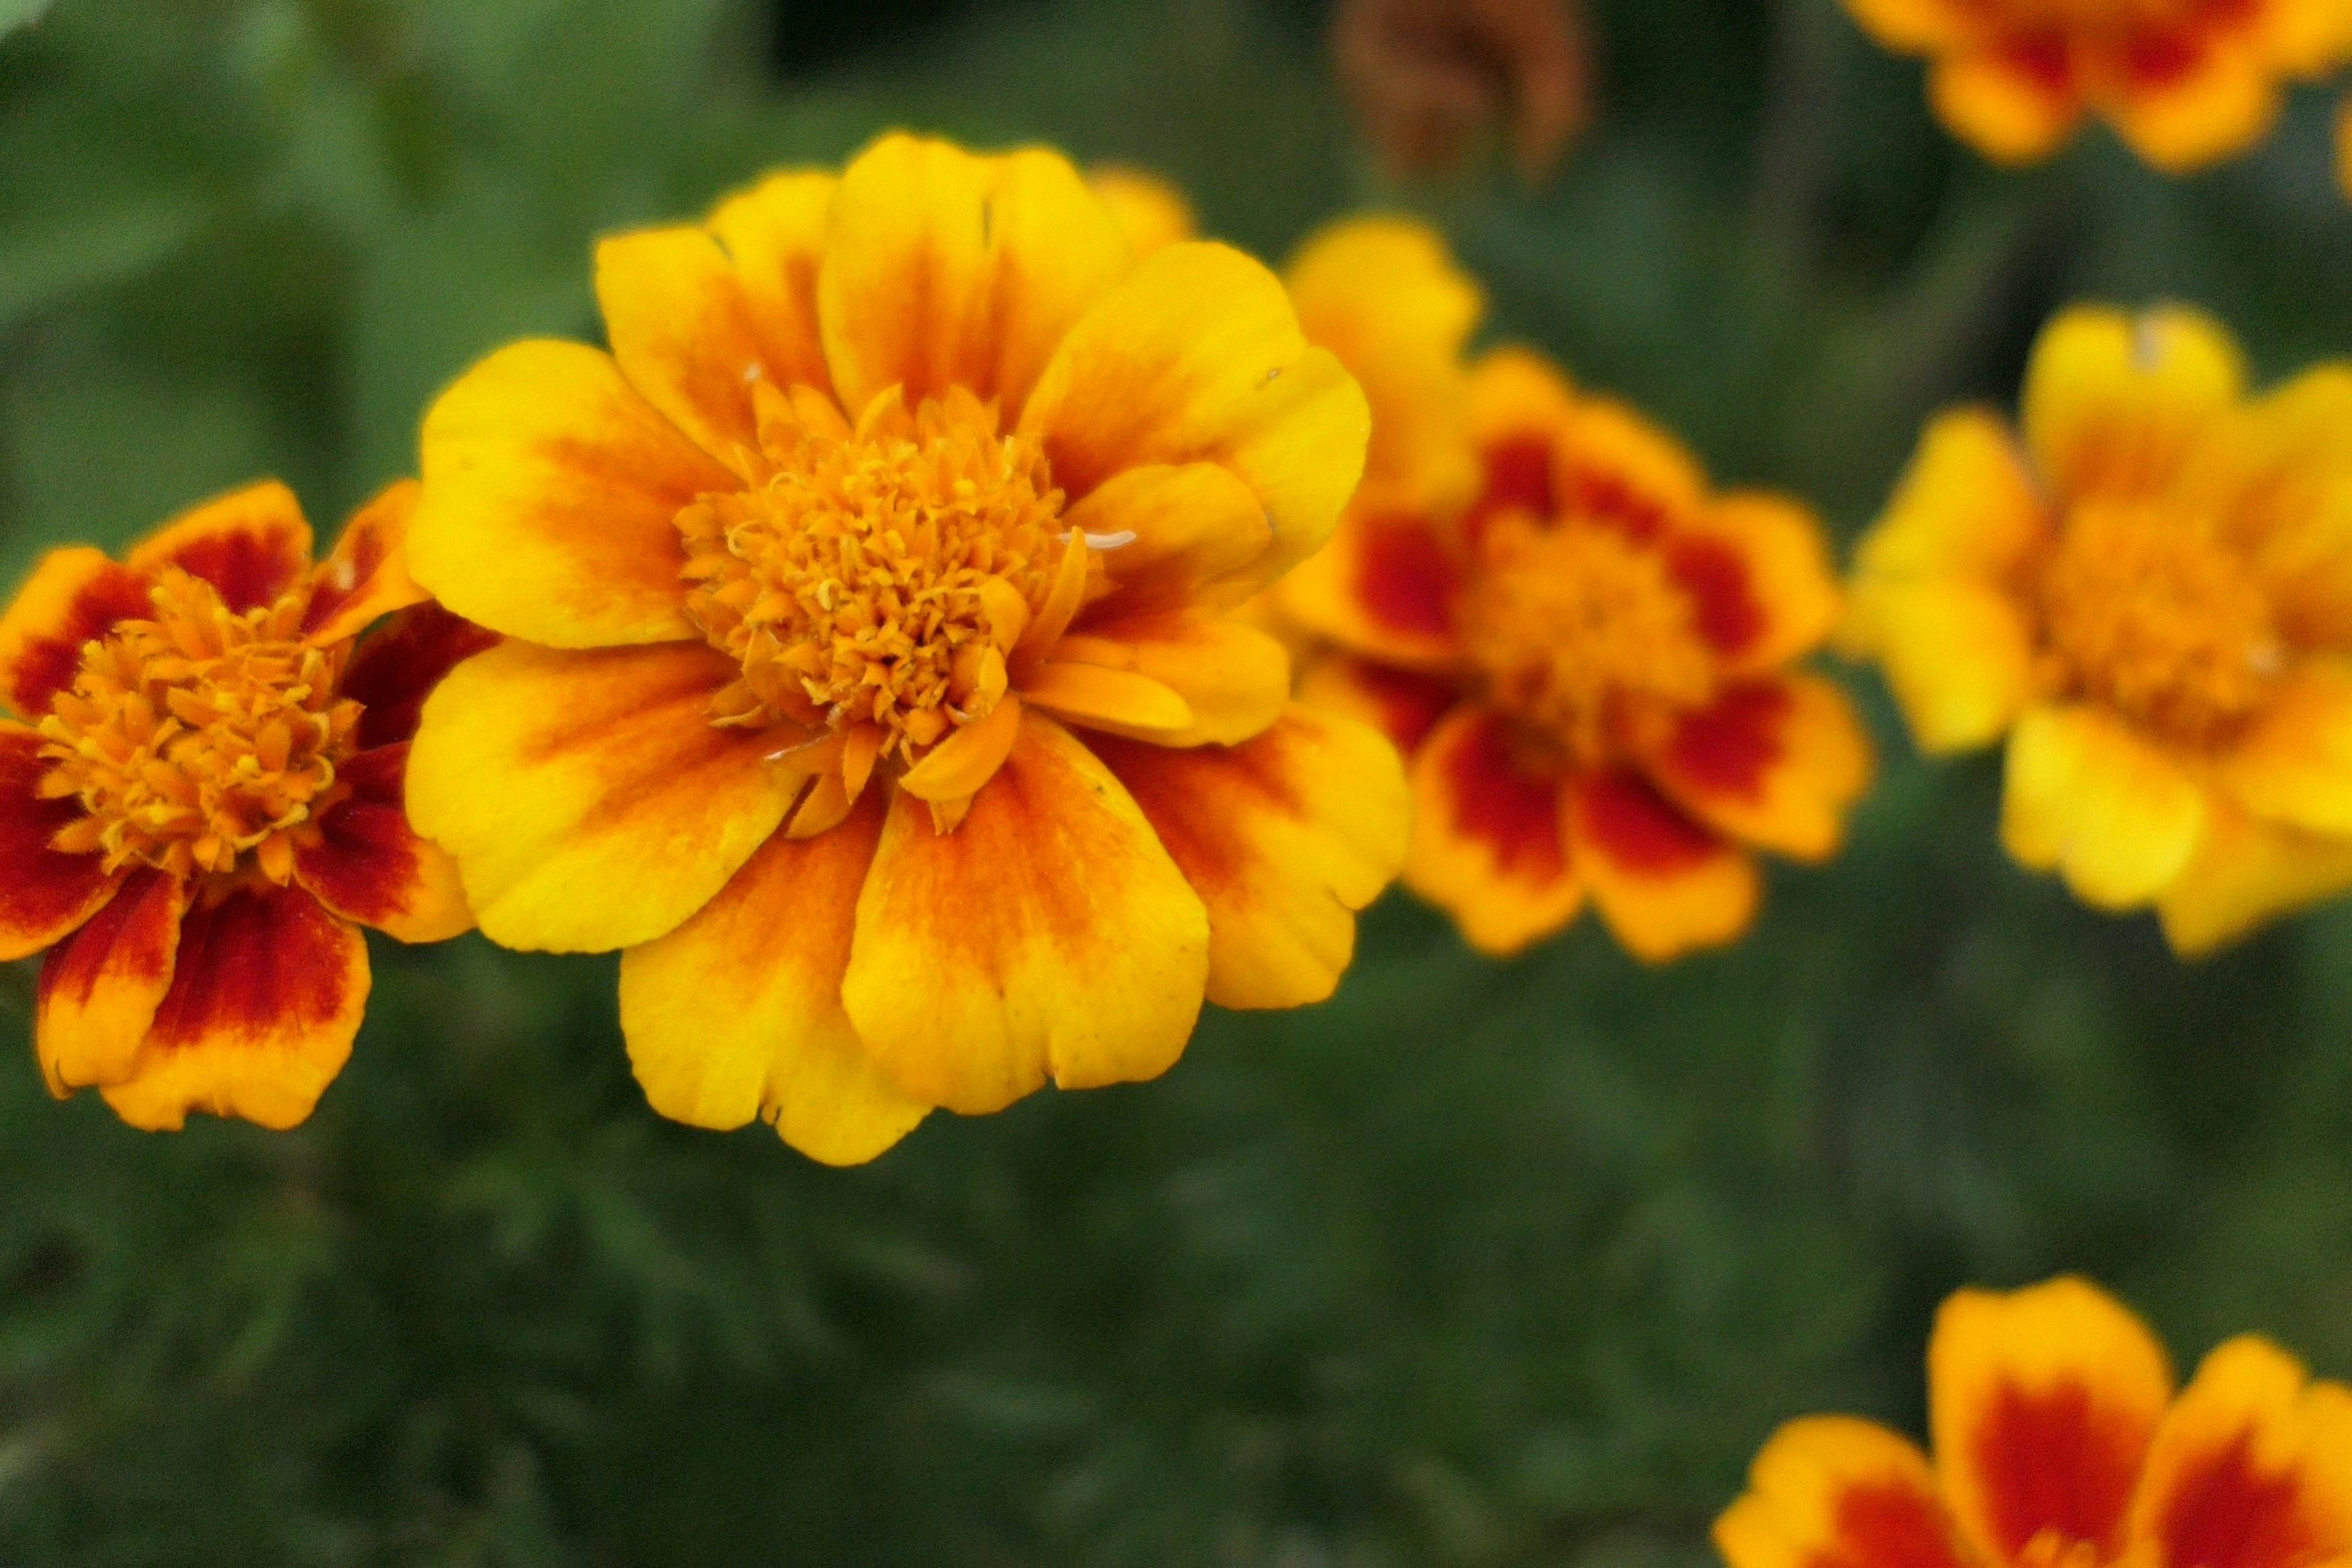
{"x": 1479, "y": 1265}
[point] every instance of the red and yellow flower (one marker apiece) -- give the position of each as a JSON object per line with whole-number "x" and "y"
{"x": 2060, "y": 1440}
{"x": 2148, "y": 591}
{"x": 1586, "y": 652}
{"x": 872, "y": 682}
{"x": 201, "y": 797}
{"x": 2186, "y": 82}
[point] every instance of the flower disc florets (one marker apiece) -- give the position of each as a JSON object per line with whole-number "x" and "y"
{"x": 200, "y": 739}
{"x": 880, "y": 575}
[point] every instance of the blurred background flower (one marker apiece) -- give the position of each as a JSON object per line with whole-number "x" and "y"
{"x": 1483, "y": 1264}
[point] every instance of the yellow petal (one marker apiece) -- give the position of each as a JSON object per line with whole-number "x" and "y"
{"x": 2009, "y": 111}
{"x": 1118, "y": 700}
{"x": 774, "y": 232}
{"x": 2090, "y": 799}
{"x": 1231, "y": 678}
{"x": 1182, "y": 527}
{"x": 2114, "y": 402}
{"x": 2293, "y": 764}
{"x": 683, "y": 334}
{"x": 2245, "y": 873}
{"x": 1151, "y": 213}
{"x": 959, "y": 766}
{"x": 1959, "y": 657}
{"x": 1966, "y": 506}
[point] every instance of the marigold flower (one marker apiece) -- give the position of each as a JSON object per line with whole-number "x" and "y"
{"x": 2148, "y": 594}
{"x": 1585, "y": 652}
{"x": 201, "y": 793}
{"x": 2186, "y": 82}
{"x": 2059, "y": 1439}
{"x": 892, "y": 487}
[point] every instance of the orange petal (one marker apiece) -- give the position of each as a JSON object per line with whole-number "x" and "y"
{"x": 683, "y": 334}
{"x": 1120, "y": 700}
{"x": 367, "y": 577}
{"x": 1284, "y": 838}
{"x": 1614, "y": 465}
{"x": 1386, "y": 586}
{"x": 2090, "y": 799}
{"x": 2042, "y": 1405}
{"x": 737, "y": 1013}
{"x": 1050, "y": 936}
{"x": 1401, "y": 704}
{"x": 552, "y": 494}
{"x": 1520, "y": 402}
{"x": 1756, "y": 569}
{"x": 370, "y": 866}
{"x": 1665, "y": 884}
{"x": 2114, "y": 402}
{"x": 2187, "y": 95}
{"x": 43, "y": 894}
{"x": 2293, "y": 764}
{"x": 1233, "y": 679}
{"x": 99, "y": 989}
{"x": 253, "y": 544}
{"x": 1197, "y": 357}
{"x": 2245, "y": 873}
{"x": 265, "y": 1001}
{"x": 589, "y": 800}
{"x": 1189, "y": 529}
{"x": 397, "y": 666}
{"x": 943, "y": 268}
{"x": 775, "y": 233}
{"x": 2016, "y": 103}
{"x": 73, "y": 597}
{"x": 1775, "y": 763}
{"x": 958, "y": 766}
{"x": 2253, "y": 1468}
{"x": 1487, "y": 843}
{"x": 1834, "y": 1492}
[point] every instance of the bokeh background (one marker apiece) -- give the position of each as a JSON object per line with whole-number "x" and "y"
{"x": 1479, "y": 1265}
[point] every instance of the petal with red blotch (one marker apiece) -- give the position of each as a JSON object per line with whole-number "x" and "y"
{"x": 2041, "y": 1403}
{"x": 1401, "y": 704}
{"x": 2186, "y": 95}
{"x": 396, "y": 666}
{"x": 264, "y": 1004}
{"x": 1665, "y": 884}
{"x": 1835, "y": 1493}
{"x": 774, "y": 233}
{"x": 43, "y": 894}
{"x": 73, "y": 598}
{"x": 367, "y": 577}
{"x": 1234, "y": 677}
{"x": 2252, "y": 1469}
{"x": 1774, "y": 763}
{"x": 683, "y": 333}
{"x": 1487, "y": 845}
{"x": 253, "y": 544}
{"x": 99, "y": 989}
{"x": 1385, "y": 587}
{"x": 2016, "y": 101}
{"x": 370, "y": 866}
{"x": 1048, "y": 936}
{"x": 1284, "y": 838}
{"x": 737, "y": 1013}
{"x": 1612, "y": 466}
{"x": 1756, "y": 569}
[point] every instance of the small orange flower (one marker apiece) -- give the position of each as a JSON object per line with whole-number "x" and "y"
{"x": 2059, "y": 1440}
{"x": 201, "y": 792}
{"x": 873, "y": 683}
{"x": 1586, "y": 653}
{"x": 2186, "y": 82}
{"x": 2149, "y": 595}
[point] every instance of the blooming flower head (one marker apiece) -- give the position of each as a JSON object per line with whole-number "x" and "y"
{"x": 1585, "y": 651}
{"x": 873, "y": 684}
{"x": 2060, "y": 1439}
{"x": 2185, "y": 82}
{"x": 200, "y": 794}
{"x": 2149, "y": 592}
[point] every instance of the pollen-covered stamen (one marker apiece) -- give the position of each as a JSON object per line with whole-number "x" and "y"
{"x": 880, "y": 575}
{"x": 199, "y": 741}
{"x": 1581, "y": 636}
{"x": 2148, "y": 613}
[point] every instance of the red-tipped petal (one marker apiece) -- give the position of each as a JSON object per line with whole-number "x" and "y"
{"x": 1487, "y": 845}
{"x": 397, "y": 667}
{"x": 367, "y": 577}
{"x": 253, "y": 544}
{"x": 73, "y": 597}
{"x": 370, "y": 866}
{"x": 1665, "y": 884}
{"x": 99, "y": 989}
{"x": 43, "y": 894}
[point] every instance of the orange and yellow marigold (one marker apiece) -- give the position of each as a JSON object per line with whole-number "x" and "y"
{"x": 1586, "y": 651}
{"x": 201, "y": 792}
{"x": 873, "y": 683}
{"x": 2060, "y": 1440}
{"x": 2148, "y": 591}
{"x": 2185, "y": 82}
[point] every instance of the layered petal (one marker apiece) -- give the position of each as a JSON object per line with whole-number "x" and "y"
{"x": 1755, "y": 570}
{"x": 774, "y": 233}
{"x": 368, "y": 865}
{"x": 43, "y": 894}
{"x": 2247, "y": 872}
{"x": 2293, "y": 764}
{"x": 1049, "y": 935}
{"x": 2042, "y": 1405}
{"x": 1284, "y": 838}
{"x": 367, "y": 577}
{"x": 74, "y": 596}
{"x": 551, "y": 493}
{"x": 1834, "y": 1492}
{"x": 2016, "y": 101}
{"x": 1398, "y": 703}
{"x": 99, "y": 989}
{"x": 2189, "y": 95}
{"x": 738, "y": 1012}
{"x": 1487, "y": 847}
{"x": 587, "y": 797}
{"x": 1386, "y": 586}
{"x": 2114, "y": 402}
{"x": 1612, "y": 465}
{"x": 396, "y": 666}
{"x": 1666, "y": 885}
{"x": 253, "y": 544}
{"x": 2276, "y": 479}
{"x": 265, "y": 1001}
{"x": 683, "y": 333}
{"x": 1775, "y": 763}
{"x": 1176, "y": 530}
{"x": 1233, "y": 679}
{"x": 2090, "y": 799}
{"x": 1959, "y": 657}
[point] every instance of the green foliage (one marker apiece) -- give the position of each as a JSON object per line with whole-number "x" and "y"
{"x": 1480, "y": 1265}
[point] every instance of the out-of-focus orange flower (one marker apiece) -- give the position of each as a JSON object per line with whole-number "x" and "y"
{"x": 2148, "y": 594}
{"x": 1587, "y": 653}
{"x": 201, "y": 793}
{"x": 1429, "y": 77}
{"x": 2060, "y": 1440}
{"x": 2185, "y": 82}
{"x": 874, "y": 683}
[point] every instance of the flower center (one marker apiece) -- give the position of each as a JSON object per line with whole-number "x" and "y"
{"x": 1581, "y": 636}
{"x": 877, "y": 574}
{"x": 2146, "y": 612}
{"x": 200, "y": 737}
